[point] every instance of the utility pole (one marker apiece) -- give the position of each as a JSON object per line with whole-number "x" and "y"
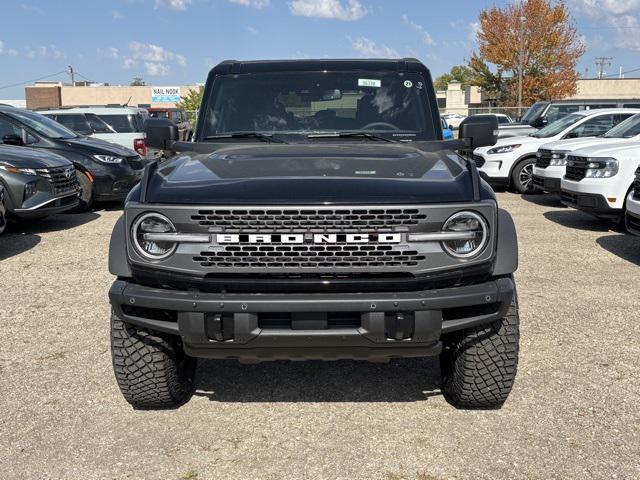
{"x": 73, "y": 75}
{"x": 601, "y": 63}
{"x": 520, "y": 62}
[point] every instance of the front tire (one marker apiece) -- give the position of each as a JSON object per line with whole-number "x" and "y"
{"x": 479, "y": 364}
{"x": 522, "y": 177}
{"x": 151, "y": 368}
{"x": 86, "y": 196}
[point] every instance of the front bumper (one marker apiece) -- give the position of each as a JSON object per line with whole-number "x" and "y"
{"x": 51, "y": 206}
{"x": 547, "y": 184}
{"x": 378, "y": 325}
{"x": 116, "y": 180}
{"x": 632, "y": 217}
{"x": 592, "y": 203}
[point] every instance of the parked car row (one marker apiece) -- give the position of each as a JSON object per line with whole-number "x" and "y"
{"x": 591, "y": 158}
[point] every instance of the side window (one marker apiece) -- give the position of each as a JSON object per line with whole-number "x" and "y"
{"x": 13, "y": 135}
{"x": 502, "y": 119}
{"x": 621, "y": 117}
{"x": 76, "y": 122}
{"x": 176, "y": 116}
{"x": 97, "y": 124}
{"x": 556, "y": 112}
{"x": 593, "y": 127}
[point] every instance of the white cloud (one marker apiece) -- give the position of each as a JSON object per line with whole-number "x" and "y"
{"x": 366, "y": 46}
{"x": 7, "y": 51}
{"x": 622, "y": 15}
{"x": 110, "y": 52}
{"x": 336, "y": 9}
{"x": 45, "y": 51}
{"x": 252, "y": 3}
{"x": 426, "y": 37}
{"x": 117, "y": 15}
{"x": 31, "y": 9}
{"x": 156, "y": 60}
{"x": 173, "y": 4}
{"x": 474, "y": 28}
{"x": 251, "y": 30}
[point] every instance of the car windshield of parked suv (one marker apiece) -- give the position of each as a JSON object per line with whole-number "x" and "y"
{"x": 391, "y": 105}
{"x": 43, "y": 125}
{"x": 558, "y": 126}
{"x": 627, "y": 129}
{"x": 122, "y": 123}
{"x": 534, "y": 112}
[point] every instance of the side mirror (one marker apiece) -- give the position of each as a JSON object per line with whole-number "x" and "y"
{"x": 12, "y": 139}
{"x": 161, "y": 133}
{"x": 479, "y": 131}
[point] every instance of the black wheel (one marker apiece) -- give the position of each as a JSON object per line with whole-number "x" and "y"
{"x": 479, "y": 364}
{"x": 86, "y": 195}
{"x": 522, "y": 177}
{"x": 151, "y": 368}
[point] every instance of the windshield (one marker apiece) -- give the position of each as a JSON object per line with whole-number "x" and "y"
{"x": 534, "y": 112}
{"x": 43, "y": 125}
{"x": 390, "y": 104}
{"x": 558, "y": 126}
{"x": 627, "y": 129}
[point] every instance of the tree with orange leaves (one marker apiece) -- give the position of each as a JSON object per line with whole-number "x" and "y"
{"x": 534, "y": 37}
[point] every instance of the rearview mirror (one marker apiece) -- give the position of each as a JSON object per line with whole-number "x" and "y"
{"x": 479, "y": 131}
{"x": 12, "y": 139}
{"x": 161, "y": 133}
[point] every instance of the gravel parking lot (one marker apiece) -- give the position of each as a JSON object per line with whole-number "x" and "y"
{"x": 573, "y": 412}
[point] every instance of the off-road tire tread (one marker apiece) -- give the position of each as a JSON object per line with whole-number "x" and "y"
{"x": 479, "y": 364}
{"x": 150, "y": 367}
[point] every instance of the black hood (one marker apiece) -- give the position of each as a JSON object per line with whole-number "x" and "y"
{"x": 97, "y": 146}
{"x": 23, "y": 157}
{"x": 318, "y": 173}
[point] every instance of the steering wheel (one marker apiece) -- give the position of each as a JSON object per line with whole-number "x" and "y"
{"x": 371, "y": 126}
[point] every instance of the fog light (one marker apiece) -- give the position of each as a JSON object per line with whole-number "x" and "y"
{"x": 466, "y": 222}
{"x": 30, "y": 189}
{"x": 152, "y": 223}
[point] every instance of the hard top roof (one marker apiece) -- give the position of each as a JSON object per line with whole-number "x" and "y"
{"x": 256, "y": 66}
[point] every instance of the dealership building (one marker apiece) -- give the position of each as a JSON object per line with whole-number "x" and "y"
{"x": 58, "y": 94}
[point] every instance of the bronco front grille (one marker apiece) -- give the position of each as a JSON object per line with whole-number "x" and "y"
{"x": 302, "y": 220}
{"x": 62, "y": 179}
{"x": 636, "y": 185}
{"x": 576, "y": 168}
{"x": 310, "y": 256}
{"x": 543, "y": 158}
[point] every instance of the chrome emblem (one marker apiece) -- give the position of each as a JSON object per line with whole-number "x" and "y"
{"x": 69, "y": 172}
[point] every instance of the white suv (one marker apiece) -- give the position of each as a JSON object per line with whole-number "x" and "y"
{"x": 633, "y": 207}
{"x": 510, "y": 161}
{"x": 552, "y": 157}
{"x": 121, "y": 125}
{"x": 598, "y": 179}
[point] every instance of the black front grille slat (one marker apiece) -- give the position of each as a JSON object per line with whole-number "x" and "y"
{"x": 576, "y": 168}
{"x": 62, "y": 179}
{"x": 543, "y": 159}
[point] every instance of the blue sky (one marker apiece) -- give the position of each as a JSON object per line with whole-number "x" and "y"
{"x": 170, "y": 42}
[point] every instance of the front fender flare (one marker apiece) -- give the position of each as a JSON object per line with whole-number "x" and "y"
{"x": 118, "y": 263}
{"x": 507, "y": 248}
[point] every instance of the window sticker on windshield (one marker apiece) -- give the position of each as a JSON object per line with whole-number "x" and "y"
{"x": 368, "y": 82}
{"x": 408, "y": 83}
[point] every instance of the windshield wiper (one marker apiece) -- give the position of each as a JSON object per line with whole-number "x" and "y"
{"x": 371, "y": 136}
{"x": 260, "y": 136}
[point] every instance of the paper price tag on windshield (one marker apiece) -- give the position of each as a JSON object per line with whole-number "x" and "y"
{"x": 367, "y": 82}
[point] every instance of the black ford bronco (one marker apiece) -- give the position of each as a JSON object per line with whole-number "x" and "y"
{"x": 317, "y": 214}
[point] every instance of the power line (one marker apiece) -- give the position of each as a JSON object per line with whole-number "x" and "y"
{"x": 623, "y": 73}
{"x": 34, "y": 80}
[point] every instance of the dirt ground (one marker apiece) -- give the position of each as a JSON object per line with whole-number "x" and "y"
{"x": 574, "y": 411}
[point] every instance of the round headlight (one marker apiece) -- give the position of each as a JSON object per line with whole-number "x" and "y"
{"x": 478, "y": 234}
{"x": 151, "y": 223}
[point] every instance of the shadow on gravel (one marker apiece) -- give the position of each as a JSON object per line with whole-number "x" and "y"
{"x": 582, "y": 221}
{"x": 108, "y": 206}
{"x": 625, "y": 246}
{"x": 12, "y": 245}
{"x": 544, "y": 200}
{"x": 401, "y": 380}
{"x": 54, "y": 223}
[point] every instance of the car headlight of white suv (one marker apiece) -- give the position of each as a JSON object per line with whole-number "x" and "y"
{"x": 558, "y": 159}
{"x": 601, "y": 167}
{"x": 504, "y": 149}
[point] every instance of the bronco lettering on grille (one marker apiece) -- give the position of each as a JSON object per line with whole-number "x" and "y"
{"x": 319, "y": 238}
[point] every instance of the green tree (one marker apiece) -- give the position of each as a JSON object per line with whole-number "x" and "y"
{"x": 191, "y": 103}
{"x": 458, "y": 73}
{"x": 138, "y": 82}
